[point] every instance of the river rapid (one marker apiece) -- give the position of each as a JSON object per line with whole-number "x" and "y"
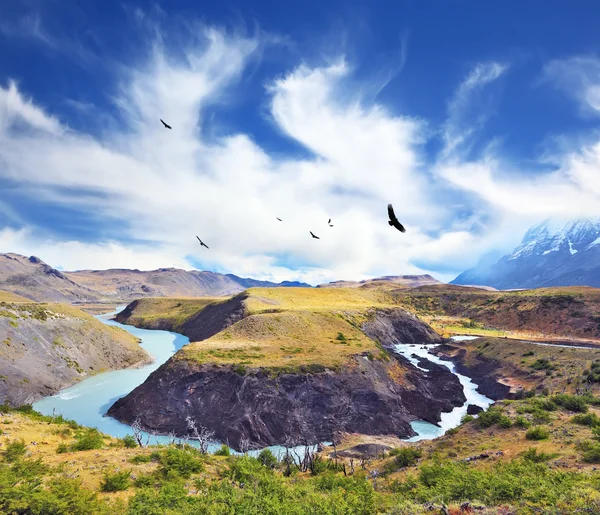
{"x": 87, "y": 401}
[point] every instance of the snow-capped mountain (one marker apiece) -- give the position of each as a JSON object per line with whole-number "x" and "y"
{"x": 552, "y": 253}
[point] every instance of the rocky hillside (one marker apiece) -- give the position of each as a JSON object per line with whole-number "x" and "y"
{"x": 552, "y": 253}
{"x": 30, "y": 277}
{"x": 47, "y": 347}
{"x": 273, "y": 365}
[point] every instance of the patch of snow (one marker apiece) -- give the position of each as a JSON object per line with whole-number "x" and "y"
{"x": 595, "y": 242}
{"x": 571, "y": 249}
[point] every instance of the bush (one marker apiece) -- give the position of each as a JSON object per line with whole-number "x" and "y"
{"x": 129, "y": 442}
{"x": 142, "y": 458}
{"x": 488, "y": 418}
{"x": 15, "y": 450}
{"x": 180, "y": 462}
{"x": 537, "y": 433}
{"x": 532, "y": 454}
{"x": 542, "y": 364}
{"x": 223, "y": 451}
{"x": 267, "y": 458}
{"x": 591, "y": 452}
{"x": 522, "y": 422}
{"x": 87, "y": 440}
{"x": 505, "y": 422}
{"x": 62, "y": 448}
{"x": 116, "y": 482}
{"x": 586, "y": 419}
{"x": 467, "y": 418}
{"x": 571, "y": 402}
{"x": 403, "y": 457}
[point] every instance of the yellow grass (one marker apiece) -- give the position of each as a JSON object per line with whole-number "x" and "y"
{"x": 7, "y": 296}
{"x": 286, "y": 339}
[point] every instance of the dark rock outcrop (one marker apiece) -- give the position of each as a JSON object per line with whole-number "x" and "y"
{"x": 393, "y": 326}
{"x": 484, "y": 373}
{"x": 265, "y": 410}
{"x": 473, "y": 409}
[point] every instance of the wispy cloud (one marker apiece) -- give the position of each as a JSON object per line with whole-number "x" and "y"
{"x": 466, "y": 111}
{"x": 579, "y": 78}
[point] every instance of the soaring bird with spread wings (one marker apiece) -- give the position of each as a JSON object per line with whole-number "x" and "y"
{"x": 393, "y": 221}
{"x": 315, "y": 237}
{"x": 202, "y": 243}
{"x": 167, "y": 126}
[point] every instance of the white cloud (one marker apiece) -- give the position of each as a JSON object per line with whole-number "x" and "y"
{"x": 465, "y": 116}
{"x": 166, "y": 186}
{"x": 578, "y": 77}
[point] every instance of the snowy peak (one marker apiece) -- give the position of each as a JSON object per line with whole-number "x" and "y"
{"x": 552, "y": 253}
{"x": 564, "y": 236}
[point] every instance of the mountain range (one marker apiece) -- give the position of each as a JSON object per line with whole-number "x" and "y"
{"x": 552, "y": 253}
{"x": 30, "y": 277}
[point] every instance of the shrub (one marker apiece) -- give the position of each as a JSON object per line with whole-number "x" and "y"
{"x": 537, "y": 433}
{"x": 522, "y": 422}
{"x": 529, "y": 353}
{"x": 129, "y": 442}
{"x": 571, "y": 402}
{"x": 403, "y": 457}
{"x": 542, "y": 364}
{"x": 15, "y": 450}
{"x": 532, "y": 454}
{"x": 505, "y": 422}
{"x": 489, "y": 417}
{"x": 62, "y": 448}
{"x": 87, "y": 440}
{"x": 115, "y": 482}
{"x": 181, "y": 462}
{"x": 144, "y": 480}
{"x": 223, "y": 451}
{"x": 591, "y": 452}
{"x": 467, "y": 418}
{"x": 267, "y": 458}
{"x": 586, "y": 419}
{"x": 141, "y": 458}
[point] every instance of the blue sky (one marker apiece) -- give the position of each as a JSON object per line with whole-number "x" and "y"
{"x": 475, "y": 119}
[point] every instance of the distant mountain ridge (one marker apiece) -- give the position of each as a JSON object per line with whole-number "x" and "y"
{"x": 36, "y": 280}
{"x": 408, "y": 281}
{"x": 552, "y": 253}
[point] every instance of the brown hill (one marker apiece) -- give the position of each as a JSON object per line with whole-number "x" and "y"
{"x": 30, "y": 277}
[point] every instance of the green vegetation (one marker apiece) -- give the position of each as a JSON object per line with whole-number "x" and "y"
{"x": 403, "y": 457}
{"x": 116, "y": 482}
{"x": 14, "y": 450}
{"x": 537, "y": 433}
{"x": 179, "y": 479}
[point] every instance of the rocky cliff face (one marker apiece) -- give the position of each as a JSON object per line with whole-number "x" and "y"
{"x": 263, "y": 407}
{"x": 552, "y": 253}
{"x": 304, "y": 407}
{"x": 47, "y": 347}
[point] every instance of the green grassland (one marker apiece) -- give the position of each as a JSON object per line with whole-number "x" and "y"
{"x": 536, "y": 455}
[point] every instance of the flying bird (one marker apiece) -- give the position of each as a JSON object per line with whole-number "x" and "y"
{"x": 279, "y": 219}
{"x": 315, "y": 237}
{"x": 393, "y": 221}
{"x": 167, "y": 126}
{"x": 330, "y": 225}
{"x": 202, "y": 243}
